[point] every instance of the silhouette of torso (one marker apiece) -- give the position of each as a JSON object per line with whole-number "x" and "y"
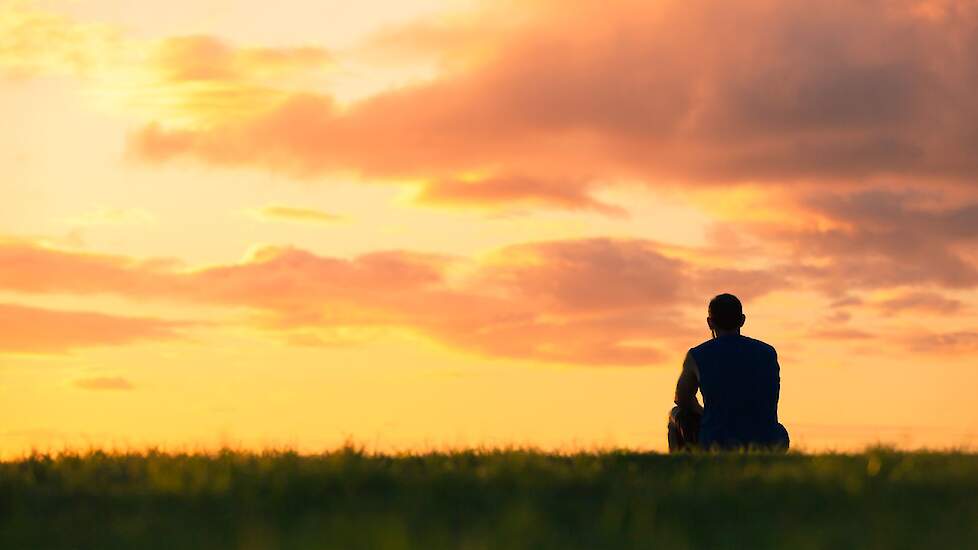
{"x": 740, "y": 381}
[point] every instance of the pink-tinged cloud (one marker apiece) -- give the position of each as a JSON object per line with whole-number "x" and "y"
{"x": 30, "y": 268}
{"x": 675, "y": 91}
{"x": 594, "y": 301}
{"x": 506, "y": 308}
{"x": 617, "y": 300}
{"x": 587, "y": 275}
{"x": 26, "y": 329}
{"x": 613, "y": 338}
{"x": 103, "y": 383}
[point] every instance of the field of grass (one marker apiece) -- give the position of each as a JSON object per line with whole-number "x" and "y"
{"x": 509, "y": 499}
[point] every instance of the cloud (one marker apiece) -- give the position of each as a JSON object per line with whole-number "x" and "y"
{"x": 949, "y": 343}
{"x": 920, "y": 302}
{"x": 509, "y": 191}
{"x": 591, "y": 301}
{"x": 598, "y": 301}
{"x": 610, "y": 339}
{"x": 294, "y": 214}
{"x": 110, "y": 383}
{"x": 25, "y": 329}
{"x": 780, "y": 92}
{"x": 880, "y": 239}
{"x": 745, "y": 283}
{"x": 586, "y": 275}
{"x": 549, "y": 105}
{"x": 33, "y": 268}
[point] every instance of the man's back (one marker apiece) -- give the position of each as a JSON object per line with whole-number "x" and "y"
{"x": 739, "y": 378}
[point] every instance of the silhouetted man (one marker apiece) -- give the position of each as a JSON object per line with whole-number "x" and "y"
{"x": 739, "y": 378}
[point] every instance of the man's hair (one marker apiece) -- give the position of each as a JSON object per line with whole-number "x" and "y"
{"x": 725, "y": 311}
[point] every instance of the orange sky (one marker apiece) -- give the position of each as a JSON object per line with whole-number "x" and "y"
{"x": 436, "y": 223}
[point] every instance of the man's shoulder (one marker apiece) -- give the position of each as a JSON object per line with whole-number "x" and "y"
{"x": 702, "y": 345}
{"x": 752, "y": 342}
{"x": 761, "y": 345}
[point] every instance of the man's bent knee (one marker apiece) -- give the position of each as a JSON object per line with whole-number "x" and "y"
{"x": 683, "y": 429}
{"x": 674, "y": 415}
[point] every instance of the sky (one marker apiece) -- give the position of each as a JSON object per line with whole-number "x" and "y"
{"x": 431, "y": 224}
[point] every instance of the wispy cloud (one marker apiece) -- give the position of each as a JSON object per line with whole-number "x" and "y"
{"x": 493, "y": 192}
{"x": 208, "y": 58}
{"x": 921, "y": 302}
{"x": 35, "y": 42}
{"x": 945, "y": 343}
{"x": 295, "y": 214}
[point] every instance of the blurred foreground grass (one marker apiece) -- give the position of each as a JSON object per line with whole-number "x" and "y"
{"x": 508, "y": 499}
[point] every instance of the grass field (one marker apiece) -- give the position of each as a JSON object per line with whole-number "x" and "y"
{"x": 514, "y": 499}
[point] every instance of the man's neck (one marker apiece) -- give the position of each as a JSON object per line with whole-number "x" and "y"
{"x": 732, "y": 332}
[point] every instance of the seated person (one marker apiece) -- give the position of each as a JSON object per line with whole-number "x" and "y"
{"x": 739, "y": 378}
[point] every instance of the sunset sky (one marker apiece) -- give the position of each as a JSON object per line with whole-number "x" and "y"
{"x": 422, "y": 223}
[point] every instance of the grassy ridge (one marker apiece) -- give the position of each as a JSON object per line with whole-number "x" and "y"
{"x": 489, "y": 499}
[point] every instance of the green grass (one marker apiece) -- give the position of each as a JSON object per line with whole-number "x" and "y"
{"x": 509, "y": 499}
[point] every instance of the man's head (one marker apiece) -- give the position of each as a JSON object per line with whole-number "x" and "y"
{"x": 726, "y": 314}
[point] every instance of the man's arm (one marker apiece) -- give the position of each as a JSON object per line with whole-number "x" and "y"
{"x": 689, "y": 382}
